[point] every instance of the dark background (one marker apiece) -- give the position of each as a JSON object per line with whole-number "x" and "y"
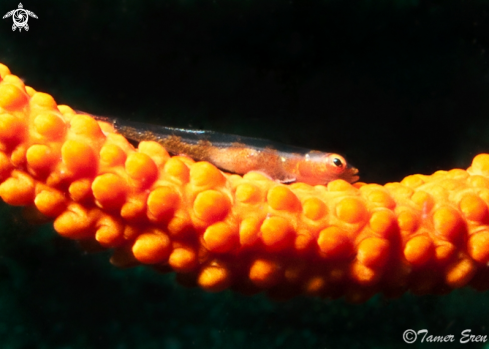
{"x": 398, "y": 87}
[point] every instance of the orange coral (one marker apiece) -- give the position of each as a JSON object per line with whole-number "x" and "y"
{"x": 427, "y": 234}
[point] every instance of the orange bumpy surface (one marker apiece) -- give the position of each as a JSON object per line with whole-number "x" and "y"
{"x": 426, "y": 234}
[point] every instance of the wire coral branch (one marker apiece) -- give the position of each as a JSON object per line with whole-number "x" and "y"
{"x": 426, "y": 234}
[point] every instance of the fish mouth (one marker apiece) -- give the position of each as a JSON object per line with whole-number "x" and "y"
{"x": 353, "y": 172}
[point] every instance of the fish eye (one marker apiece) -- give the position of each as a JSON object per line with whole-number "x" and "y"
{"x": 336, "y": 163}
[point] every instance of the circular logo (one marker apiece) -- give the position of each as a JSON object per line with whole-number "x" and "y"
{"x": 20, "y": 17}
{"x": 409, "y": 336}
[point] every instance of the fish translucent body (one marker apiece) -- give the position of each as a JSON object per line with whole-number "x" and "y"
{"x": 240, "y": 155}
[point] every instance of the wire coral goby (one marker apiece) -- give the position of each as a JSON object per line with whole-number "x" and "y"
{"x": 426, "y": 234}
{"x": 240, "y": 155}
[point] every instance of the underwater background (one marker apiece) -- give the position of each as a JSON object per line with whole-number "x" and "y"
{"x": 398, "y": 87}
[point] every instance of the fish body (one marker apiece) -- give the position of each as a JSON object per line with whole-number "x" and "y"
{"x": 240, "y": 155}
